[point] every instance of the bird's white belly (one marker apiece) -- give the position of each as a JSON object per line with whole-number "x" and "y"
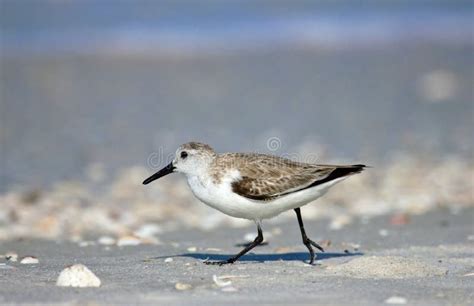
{"x": 221, "y": 197}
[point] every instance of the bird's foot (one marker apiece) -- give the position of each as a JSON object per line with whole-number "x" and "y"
{"x": 220, "y": 262}
{"x": 308, "y": 243}
{"x": 311, "y": 242}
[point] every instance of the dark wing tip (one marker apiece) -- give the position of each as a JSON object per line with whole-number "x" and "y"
{"x": 356, "y": 168}
{"x": 340, "y": 172}
{"x": 344, "y": 171}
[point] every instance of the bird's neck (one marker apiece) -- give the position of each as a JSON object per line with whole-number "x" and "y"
{"x": 200, "y": 175}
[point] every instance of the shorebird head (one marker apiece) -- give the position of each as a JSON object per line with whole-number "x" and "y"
{"x": 191, "y": 158}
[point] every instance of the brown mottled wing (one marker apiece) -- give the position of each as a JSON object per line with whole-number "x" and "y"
{"x": 266, "y": 177}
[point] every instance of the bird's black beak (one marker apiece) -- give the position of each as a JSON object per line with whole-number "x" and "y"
{"x": 166, "y": 170}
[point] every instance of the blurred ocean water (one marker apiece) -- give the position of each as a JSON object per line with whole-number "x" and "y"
{"x": 112, "y": 82}
{"x": 42, "y": 27}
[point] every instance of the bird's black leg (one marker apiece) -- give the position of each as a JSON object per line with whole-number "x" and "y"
{"x": 257, "y": 241}
{"x": 307, "y": 242}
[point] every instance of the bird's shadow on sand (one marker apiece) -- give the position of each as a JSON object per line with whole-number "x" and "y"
{"x": 293, "y": 256}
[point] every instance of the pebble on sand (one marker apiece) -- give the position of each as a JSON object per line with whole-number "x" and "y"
{"x": 77, "y": 276}
{"x": 192, "y": 249}
{"x": 182, "y": 286}
{"x": 213, "y": 250}
{"x": 396, "y": 300}
{"x": 29, "y": 260}
{"x": 221, "y": 281}
{"x": 128, "y": 240}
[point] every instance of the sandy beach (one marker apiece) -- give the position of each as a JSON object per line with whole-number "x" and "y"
{"x": 96, "y": 96}
{"x": 427, "y": 261}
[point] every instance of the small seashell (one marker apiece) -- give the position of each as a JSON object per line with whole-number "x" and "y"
{"x": 213, "y": 250}
{"x": 29, "y": 260}
{"x": 77, "y": 276}
{"x": 11, "y": 256}
{"x": 169, "y": 259}
{"x": 220, "y": 282}
{"x": 182, "y": 286}
{"x": 106, "y": 240}
{"x": 192, "y": 249}
{"x": 128, "y": 241}
{"x": 396, "y": 300}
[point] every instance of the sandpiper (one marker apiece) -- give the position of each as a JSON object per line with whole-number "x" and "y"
{"x": 254, "y": 186}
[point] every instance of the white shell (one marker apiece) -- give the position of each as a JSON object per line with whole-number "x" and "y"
{"x": 77, "y": 276}
{"x": 220, "y": 282}
{"x": 29, "y": 260}
{"x": 396, "y": 300}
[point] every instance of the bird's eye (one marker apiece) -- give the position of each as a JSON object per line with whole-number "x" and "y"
{"x": 184, "y": 154}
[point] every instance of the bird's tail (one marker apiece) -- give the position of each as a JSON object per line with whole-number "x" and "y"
{"x": 339, "y": 172}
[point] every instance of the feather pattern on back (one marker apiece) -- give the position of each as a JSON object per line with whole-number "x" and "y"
{"x": 265, "y": 177}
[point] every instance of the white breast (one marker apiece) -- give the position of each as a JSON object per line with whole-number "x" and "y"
{"x": 221, "y": 197}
